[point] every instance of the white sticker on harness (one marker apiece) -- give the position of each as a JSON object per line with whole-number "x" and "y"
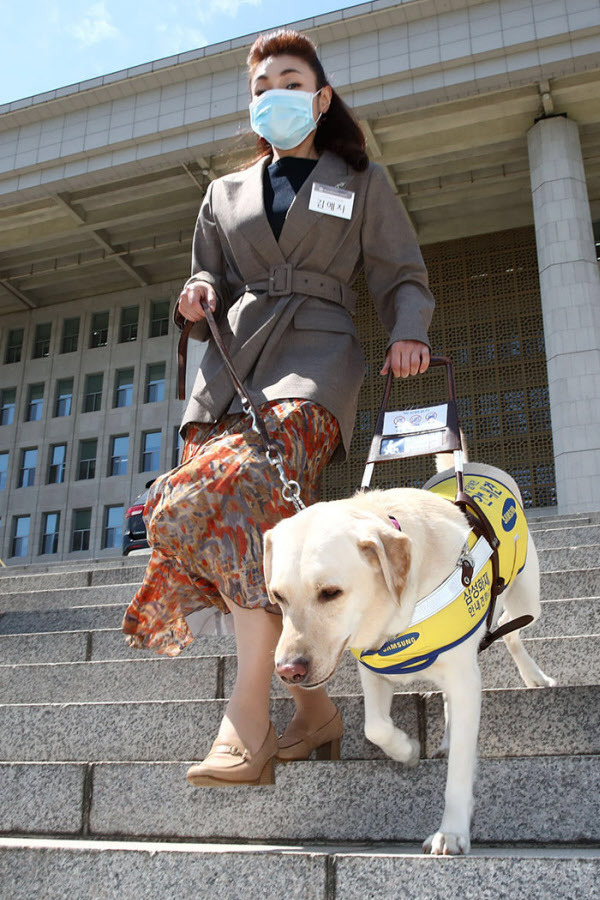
{"x": 409, "y": 421}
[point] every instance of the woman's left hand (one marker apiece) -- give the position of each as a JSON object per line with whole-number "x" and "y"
{"x": 406, "y": 358}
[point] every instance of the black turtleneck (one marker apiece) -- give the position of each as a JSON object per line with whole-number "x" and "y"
{"x": 282, "y": 181}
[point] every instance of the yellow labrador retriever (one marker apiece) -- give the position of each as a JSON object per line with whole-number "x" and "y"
{"x": 351, "y": 574}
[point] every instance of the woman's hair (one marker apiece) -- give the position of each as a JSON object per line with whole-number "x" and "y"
{"x": 337, "y": 130}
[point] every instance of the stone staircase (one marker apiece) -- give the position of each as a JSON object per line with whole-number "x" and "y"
{"x": 95, "y": 740}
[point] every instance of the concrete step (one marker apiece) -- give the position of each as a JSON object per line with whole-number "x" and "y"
{"x": 94, "y": 633}
{"x": 523, "y": 799}
{"x": 571, "y": 536}
{"x": 76, "y": 578}
{"x": 570, "y": 661}
{"x": 569, "y": 558}
{"x": 514, "y": 722}
{"x": 550, "y": 521}
{"x": 75, "y": 868}
{"x": 67, "y": 597}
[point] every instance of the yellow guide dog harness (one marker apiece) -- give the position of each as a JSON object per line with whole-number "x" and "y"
{"x": 456, "y": 609}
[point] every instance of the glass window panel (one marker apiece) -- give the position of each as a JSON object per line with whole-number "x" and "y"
{"x": 123, "y": 387}
{"x": 86, "y": 467}
{"x": 82, "y": 520}
{"x": 113, "y": 526}
{"x": 129, "y": 324}
{"x": 118, "y": 455}
{"x": 20, "y": 535}
{"x": 26, "y": 477}
{"x": 50, "y": 530}
{"x": 7, "y": 406}
{"x": 3, "y": 469}
{"x": 92, "y": 396}
{"x": 57, "y": 461}
{"x": 64, "y": 397}
{"x": 70, "y": 336}
{"x": 14, "y": 345}
{"x": 155, "y": 383}
{"x": 41, "y": 340}
{"x": 99, "y": 330}
{"x": 35, "y": 403}
{"x": 159, "y": 318}
{"x": 151, "y": 442}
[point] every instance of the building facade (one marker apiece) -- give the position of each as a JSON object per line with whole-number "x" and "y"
{"x": 486, "y": 118}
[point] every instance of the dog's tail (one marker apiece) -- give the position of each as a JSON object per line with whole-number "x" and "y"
{"x": 445, "y": 461}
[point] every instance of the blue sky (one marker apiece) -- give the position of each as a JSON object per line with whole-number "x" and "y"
{"x": 51, "y": 43}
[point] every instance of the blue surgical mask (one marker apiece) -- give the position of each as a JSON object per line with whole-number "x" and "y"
{"x": 283, "y": 118}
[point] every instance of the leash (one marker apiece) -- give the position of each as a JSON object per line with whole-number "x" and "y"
{"x": 290, "y": 490}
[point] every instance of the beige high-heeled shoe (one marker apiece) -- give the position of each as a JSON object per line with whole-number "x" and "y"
{"x": 325, "y": 741}
{"x": 233, "y": 764}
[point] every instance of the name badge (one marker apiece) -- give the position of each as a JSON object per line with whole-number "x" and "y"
{"x": 332, "y": 201}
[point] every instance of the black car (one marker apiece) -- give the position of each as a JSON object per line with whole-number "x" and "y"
{"x": 134, "y": 529}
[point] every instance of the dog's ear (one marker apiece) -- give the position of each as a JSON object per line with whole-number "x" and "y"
{"x": 388, "y": 551}
{"x": 267, "y": 555}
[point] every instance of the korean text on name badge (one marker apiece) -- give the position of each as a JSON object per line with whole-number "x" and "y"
{"x": 332, "y": 201}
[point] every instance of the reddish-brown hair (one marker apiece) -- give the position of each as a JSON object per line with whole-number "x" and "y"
{"x": 337, "y": 130}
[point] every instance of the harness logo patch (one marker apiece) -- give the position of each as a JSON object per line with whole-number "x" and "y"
{"x": 509, "y": 514}
{"x": 399, "y": 644}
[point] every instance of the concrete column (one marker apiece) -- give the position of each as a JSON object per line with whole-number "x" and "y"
{"x": 570, "y": 290}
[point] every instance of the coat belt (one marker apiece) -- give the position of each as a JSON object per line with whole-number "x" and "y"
{"x": 285, "y": 279}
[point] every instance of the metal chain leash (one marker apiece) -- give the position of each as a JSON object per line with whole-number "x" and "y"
{"x": 290, "y": 490}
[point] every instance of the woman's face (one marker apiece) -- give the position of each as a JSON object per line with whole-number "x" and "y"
{"x": 288, "y": 72}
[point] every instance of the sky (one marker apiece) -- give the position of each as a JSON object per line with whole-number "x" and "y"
{"x": 47, "y": 44}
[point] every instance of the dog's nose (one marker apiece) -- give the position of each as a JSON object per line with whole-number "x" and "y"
{"x": 293, "y": 672}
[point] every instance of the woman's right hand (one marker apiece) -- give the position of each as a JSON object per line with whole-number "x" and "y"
{"x": 189, "y": 300}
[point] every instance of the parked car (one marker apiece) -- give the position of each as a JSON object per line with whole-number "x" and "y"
{"x": 134, "y": 529}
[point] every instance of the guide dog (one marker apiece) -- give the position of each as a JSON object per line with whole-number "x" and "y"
{"x": 358, "y": 573}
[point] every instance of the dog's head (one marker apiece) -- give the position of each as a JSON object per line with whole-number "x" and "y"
{"x": 338, "y": 577}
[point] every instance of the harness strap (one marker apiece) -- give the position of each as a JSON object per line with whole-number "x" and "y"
{"x": 491, "y": 636}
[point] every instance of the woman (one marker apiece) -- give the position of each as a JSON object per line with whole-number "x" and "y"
{"x": 275, "y": 249}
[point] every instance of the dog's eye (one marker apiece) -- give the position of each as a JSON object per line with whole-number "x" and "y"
{"x": 329, "y": 593}
{"x": 278, "y": 597}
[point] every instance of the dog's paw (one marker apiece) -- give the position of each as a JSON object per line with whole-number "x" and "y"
{"x": 447, "y": 844}
{"x": 540, "y": 680}
{"x": 407, "y": 752}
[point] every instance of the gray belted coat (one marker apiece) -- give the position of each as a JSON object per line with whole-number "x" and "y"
{"x": 285, "y": 307}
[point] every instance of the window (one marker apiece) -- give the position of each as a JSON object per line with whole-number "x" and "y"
{"x": 70, "y": 336}
{"x": 7, "y": 406}
{"x": 27, "y": 468}
{"x": 119, "y": 447}
{"x": 151, "y": 451}
{"x": 177, "y": 447}
{"x": 159, "y": 318}
{"x": 113, "y": 526}
{"x": 129, "y": 324}
{"x": 49, "y": 539}
{"x": 86, "y": 467}
{"x": 64, "y": 397}
{"x": 92, "y": 396}
{"x": 82, "y": 520}
{"x": 3, "y": 469}
{"x": 20, "y": 536}
{"x": 35, "y": 403}
{"x": 155, "y": 383}
{"x": 99, "y": 330}
{"x": 123, "y": 387}
{"x": 56, "y": 463}
{"x": 14, "y": 345}
{"x": 41, "y": 340}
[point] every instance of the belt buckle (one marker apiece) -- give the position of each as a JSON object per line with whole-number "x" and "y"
{"x": 280, "y": 280}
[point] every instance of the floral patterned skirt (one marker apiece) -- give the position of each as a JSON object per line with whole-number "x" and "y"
{"x": 205, "y": 519}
